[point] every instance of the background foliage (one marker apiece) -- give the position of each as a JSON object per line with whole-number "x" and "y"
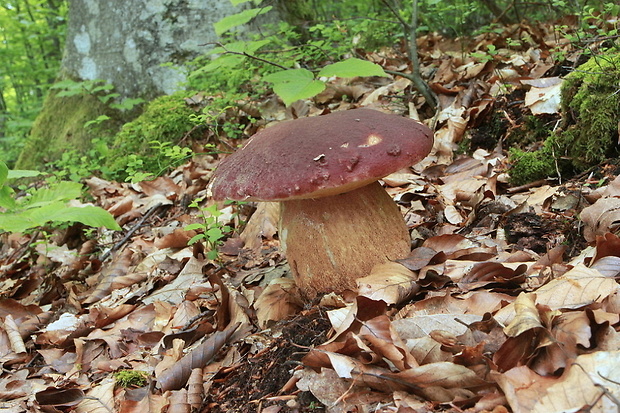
{"x": 315, "y": 34}
{"x": 32, "y": 34}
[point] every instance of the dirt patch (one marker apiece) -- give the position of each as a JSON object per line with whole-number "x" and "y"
{"x": 256, "y": 381}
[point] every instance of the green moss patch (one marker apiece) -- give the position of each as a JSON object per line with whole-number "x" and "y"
{"x": 589, "y": 132}
{"x": 591, "y": 105}
{"x": 167, "y": 119}
{"x": 60, "y": 127}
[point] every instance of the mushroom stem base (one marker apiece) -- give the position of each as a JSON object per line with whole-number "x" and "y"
{"x": 330, "y": 242}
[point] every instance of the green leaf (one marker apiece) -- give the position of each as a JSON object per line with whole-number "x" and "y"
{"x": 195, "y": 239}
{"x": 238, "y": 2}
{"x": 212, "y": 254}
{"x": 4, "y": 173}
{"x": 214, "y": 234}
{"x": 57, "y": 212}
{"x": 6, "y": 198}
{"x": 88, "y": 215}
{"x": 194, "y": 226}
{"x": 22, "y": 173}
{"x": 351, "y": 68}
{"x": 238, "y": 19}
{"x": 100, "y": 118}
{"x": 294, "y": 84}
{"x": 63, "y": 191}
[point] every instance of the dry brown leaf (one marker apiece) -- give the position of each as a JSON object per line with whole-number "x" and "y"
{"x": 52, "y": 396}
{"x": 592, "y": 382}
{"x": 576, "y": 288}
{"x": 279, "y": 300}
{"x": 178, "y": 402}
{"x": 449, "y": 244}
{"x": 421, "y": 325}
{"x": 118, "y": 269}
{"x": 177, "y": 375}
{"x": 522, "y": 387}
{"x": 544, "y": 96}
{"x": 263, "y": 224}
{"x": 601, "y": 217}
{"x": 384, "y": 341}
{"x": 100, "y": 399}
{"x": 339, "y": 395}
{"x": 526, "y": 317}
{"x": 186, "y": 313}
{"x": 440, "y": 382}
{"x": 195, "y": 389}
{"x": 17, "y": 343}
{"x": 174, "y": 291}
{"x": 390, "y": 282}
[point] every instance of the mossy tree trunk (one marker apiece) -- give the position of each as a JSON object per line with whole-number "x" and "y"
{"x": 138, "y": 46}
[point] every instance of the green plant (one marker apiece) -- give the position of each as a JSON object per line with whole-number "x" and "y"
{"x": 75, "y": 166}
{"x": 288, "y": 82}
{"x": 211, "y": 231}
{"x": 46, "y": 205}
{"x": 131, "y": 378}
{"x": 145, "y": 144}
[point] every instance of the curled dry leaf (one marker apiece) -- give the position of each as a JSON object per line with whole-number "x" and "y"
{"x": 177, "y": 375}
{"x": 17, "y": 343}
{"x": 601, "y": 217}
{"x": 195, "y": 389}
{"x": 384, "y": 341}
{"x": 526, "y": 318}
{"x": 178, "y": 402}
{"x": 263, "y": 224}
{"x": 279, "y": 300}
{"x": 390, "y": 282}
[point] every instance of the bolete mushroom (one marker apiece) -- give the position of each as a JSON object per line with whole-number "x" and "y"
{"x": 336, "y": 222}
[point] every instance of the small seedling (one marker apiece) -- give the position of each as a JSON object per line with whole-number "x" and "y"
{"x": 211, "y": 231}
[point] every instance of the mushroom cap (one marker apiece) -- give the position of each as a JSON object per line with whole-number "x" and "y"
{"x": 321, "y": 156}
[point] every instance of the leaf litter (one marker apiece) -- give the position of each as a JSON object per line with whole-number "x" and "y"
{"x": 508, "y": 300}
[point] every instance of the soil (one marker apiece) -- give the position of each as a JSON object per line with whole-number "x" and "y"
{"x": 256, "y": 381}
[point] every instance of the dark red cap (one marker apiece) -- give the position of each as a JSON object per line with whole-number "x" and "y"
{"x": 321, "y": 156}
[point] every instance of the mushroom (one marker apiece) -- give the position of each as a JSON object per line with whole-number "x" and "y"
{"x": 336, "y": 222}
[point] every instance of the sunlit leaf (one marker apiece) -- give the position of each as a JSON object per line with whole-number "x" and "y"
{"x": 238, "y": 19}
{"x": 295, "y": 84}
{"x": 352, "y": 67}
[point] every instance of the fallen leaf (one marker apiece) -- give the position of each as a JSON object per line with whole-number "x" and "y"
{"x": 389, "y": 282}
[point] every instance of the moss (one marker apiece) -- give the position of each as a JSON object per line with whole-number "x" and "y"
{"x": 532, "y": 166}
{"x": 589, "y": 132}
{"x": 60, "y": 127}
{"x": 131, "y": 378}
{"x": 591, "y": 106}
{"x": 166, "y": 119}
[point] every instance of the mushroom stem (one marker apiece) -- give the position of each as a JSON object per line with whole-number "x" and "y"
{"x": 330, "y": 242}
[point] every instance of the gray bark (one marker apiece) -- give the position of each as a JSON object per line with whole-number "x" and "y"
{"x": 125, "y": 42}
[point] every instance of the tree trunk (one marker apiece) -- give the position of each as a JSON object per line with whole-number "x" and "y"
{"x": 138, "y": 46}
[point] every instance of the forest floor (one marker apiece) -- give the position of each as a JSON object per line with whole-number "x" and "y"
{"x": 508, "y": 301}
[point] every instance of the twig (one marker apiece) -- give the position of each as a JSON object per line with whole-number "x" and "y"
{"x": 260, "y": 59}
{"x": 415, "y": 77}
{"x": 130, "y": 232}
{"x": 527, "y": 186}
